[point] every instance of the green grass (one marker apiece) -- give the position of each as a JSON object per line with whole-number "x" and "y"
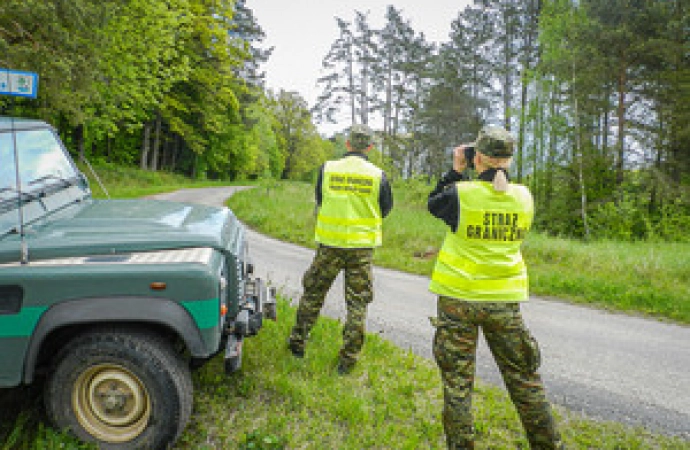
{"x": 649, "y": 278}
{"x": 646, "y": 278}
{"x": 128, "y": 182}
{"x": 392, "y": 400}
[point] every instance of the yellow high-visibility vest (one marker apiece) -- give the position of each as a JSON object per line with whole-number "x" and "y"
{"x": 481, "y": 260}
{"x": 350, "y": 214}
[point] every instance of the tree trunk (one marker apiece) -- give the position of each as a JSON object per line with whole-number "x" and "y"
{"x": 364, "y": 112}
{"x": 580, "y": 150}
{"x": 521, "y": 131}
{"x": 351, "y": 80}
{"x": 143, "y": 164}
{"x": 78, "y": 136}
{"x": 507, "y": 75}
{"x": 605, "y": 138}
{"x": 551, "y": 156}
{"x": 387, "y": 112}
{"x": 622, "y": 82}
{"x": 539, "y": 143}
{"x": 195, "y": 166}
{"x": 156, "y": 143}
{"x": 174, "y": 152}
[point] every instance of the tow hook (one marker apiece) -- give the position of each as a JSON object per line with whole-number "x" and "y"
{"x": 259, "y": 302}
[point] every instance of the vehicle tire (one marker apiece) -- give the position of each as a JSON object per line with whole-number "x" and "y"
{"x": 123, "y": 388}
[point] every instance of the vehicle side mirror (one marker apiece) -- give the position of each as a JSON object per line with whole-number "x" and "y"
{"x": 82, "y": 180}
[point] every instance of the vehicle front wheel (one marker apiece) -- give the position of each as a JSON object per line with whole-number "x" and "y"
{"x": 121, "y": 388}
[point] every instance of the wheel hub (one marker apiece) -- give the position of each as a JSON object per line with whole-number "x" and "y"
{"x": 111, "y": 403}
{"x": 113, "y": 400}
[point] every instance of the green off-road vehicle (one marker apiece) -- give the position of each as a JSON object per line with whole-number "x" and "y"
{"x": 110, "y": 303}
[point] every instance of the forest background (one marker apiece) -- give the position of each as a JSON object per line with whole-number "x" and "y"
{"x": 597, "y": 94}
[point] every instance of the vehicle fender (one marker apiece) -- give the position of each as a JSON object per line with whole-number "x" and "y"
{"x": 152, "y": 310}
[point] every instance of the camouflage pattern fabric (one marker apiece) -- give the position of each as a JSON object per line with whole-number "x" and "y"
{"x": 495, "y": 141}
{"x": 328, "y": 262}
{"x": 517, "y": 354}
{"x": 361, "y": 137}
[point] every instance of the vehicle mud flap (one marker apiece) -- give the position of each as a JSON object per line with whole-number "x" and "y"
{"x": 233, "y": 354}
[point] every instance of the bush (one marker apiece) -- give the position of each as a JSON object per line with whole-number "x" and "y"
{"x": 673, "y": 223}
{"x": 622, "y": 221}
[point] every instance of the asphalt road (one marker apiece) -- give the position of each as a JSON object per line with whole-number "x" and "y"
{"x": 607, "y": 366}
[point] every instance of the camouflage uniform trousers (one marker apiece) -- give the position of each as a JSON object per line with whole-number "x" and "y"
{"x": 517, "y": 355}
{"x": 328, "y": 262}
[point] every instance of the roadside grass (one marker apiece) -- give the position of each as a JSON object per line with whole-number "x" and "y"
{"x": 392, "y": 400}
{"x": 649, "y": 278}
{"x": 129, "y": 182}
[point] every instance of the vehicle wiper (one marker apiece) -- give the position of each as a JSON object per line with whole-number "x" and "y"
{"x": 7, "y": 204}
{"x": 44, "y": 178}
{"x": 56, "y": 183}
{"x": 24, "y": 194}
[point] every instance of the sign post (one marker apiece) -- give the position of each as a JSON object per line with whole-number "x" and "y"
{"x": 18, "y": 84}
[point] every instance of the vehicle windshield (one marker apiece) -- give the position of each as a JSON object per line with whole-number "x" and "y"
{"x": 41, "y": 161}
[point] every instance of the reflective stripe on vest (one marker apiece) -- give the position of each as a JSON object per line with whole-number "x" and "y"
{"x": 481, "y": 261}
{"x": 350, "y": 215}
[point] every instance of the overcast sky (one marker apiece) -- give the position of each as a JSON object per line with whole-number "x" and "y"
{"x": 302, "y": 31}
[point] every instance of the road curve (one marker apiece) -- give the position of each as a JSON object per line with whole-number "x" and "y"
{"x": 607, "y": 366}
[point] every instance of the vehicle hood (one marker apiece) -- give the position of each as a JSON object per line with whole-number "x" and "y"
{"x": 101, "y": 227}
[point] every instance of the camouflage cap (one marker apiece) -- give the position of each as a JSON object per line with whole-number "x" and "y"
{"x": 360, "y": 137}
{"x": 495, "y": 141}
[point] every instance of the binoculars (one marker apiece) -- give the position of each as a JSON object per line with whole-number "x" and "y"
{"x": 469, "y": 155}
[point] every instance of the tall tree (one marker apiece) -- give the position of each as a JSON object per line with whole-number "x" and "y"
{"x": 248, "y": 34}
{"x": 137, "y": 74}
{"x": 59, "y": 41}
{"x": 365, "y": 50}
{"x": 402, "y": 63}
{"x": 339, "y": 88}
{"x": 528, "y": 57}
{"x": 296, "y": 134}
{"x": 207, "y": 101}
{"x": 467, "y": 55}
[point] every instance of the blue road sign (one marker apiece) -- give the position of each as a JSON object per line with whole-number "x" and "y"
{"x": 18, "y": 83}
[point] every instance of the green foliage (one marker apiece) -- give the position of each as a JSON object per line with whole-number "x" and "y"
{"x": 296, "y": 137}
{"x": 603, "y": 95}
{"x": 623, "y": 220}
{"x": 256, "y": 440}
{"x": 139, "y": 72}
{"x": 155, "y": 83}
{"x": 672, "y": 223}
{"x": 600, "y": 118}
{"x": 270, "y": 161}
{"x": 606, "y": 71}
{"x": 56, "y": 40}
{"x": 22, "y": 424}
